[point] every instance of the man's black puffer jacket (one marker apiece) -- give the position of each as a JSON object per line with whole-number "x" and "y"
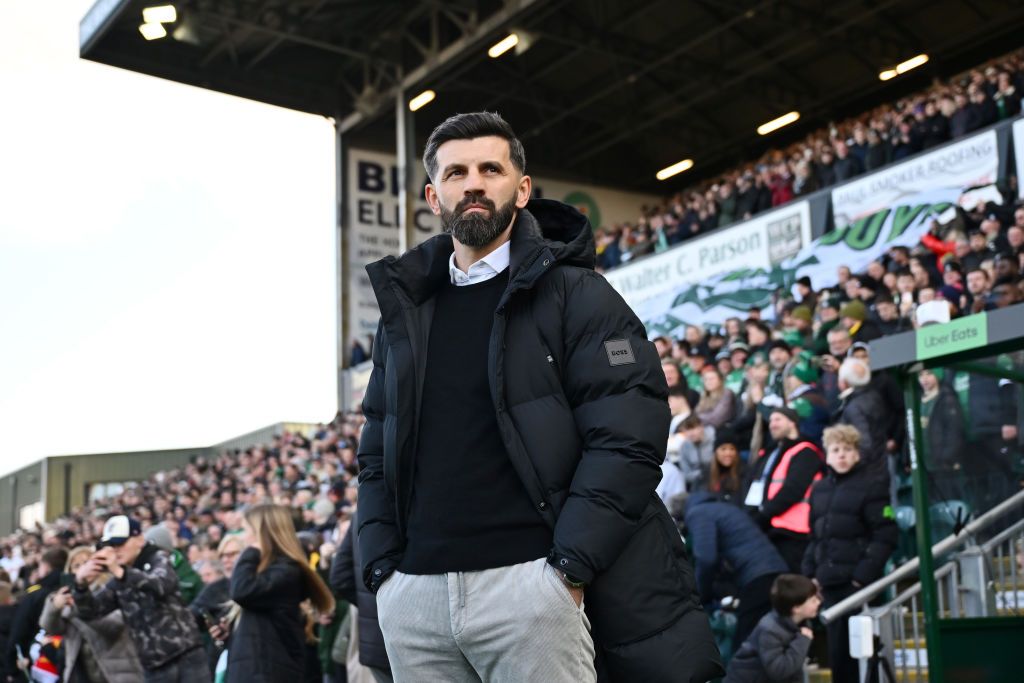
{"x": 852, "y": 528}
{"x": 268, "y": 644}
{"x": 583, "y": 426}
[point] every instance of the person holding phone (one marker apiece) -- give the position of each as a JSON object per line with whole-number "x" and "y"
{"x": 144, "y": 586}
{"x": 100, "y": 650}
{"x": 30, "y": 607}
{"x": 270, "y": 582}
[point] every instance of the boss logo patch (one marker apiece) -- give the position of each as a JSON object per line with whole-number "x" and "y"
{"x": 619, "y": 352}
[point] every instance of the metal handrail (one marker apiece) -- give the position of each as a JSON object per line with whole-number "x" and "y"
{"x": 910, "y": 592}
{"x": 1002, "y": 536}
{"x": 950, "y": 542}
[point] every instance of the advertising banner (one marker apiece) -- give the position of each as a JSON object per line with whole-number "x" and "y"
{"x": 971, "y": 162}
{"x": 735, "y": 292}
{"x": 373, "y": 230}
{"x": 763, "y": 241}
{"x": 1018, "y": 148}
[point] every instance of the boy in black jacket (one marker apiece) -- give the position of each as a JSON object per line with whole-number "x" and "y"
{"x": 776, "y": 650}
{"x": 852, "y": 536}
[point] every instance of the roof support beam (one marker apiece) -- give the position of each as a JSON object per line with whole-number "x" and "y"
{"x": 448, "y": 56}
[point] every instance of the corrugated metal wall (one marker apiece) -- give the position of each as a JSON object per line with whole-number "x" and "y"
{"x": 69, "y": 476}
{"x": 18, "y": 489}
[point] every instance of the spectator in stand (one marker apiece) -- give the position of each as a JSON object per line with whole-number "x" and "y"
{"x": 942, "y": 424}
{"x": 717, "y": 404}
{"x": 780, "y": 484}
{"x": 847, "y": 166}
{"x": 212, "y": 606}
{"x": 776, "y": 649}
{"x": 862, "y": 407}
{"x": 854, "y": 317}
{"x": 144, "y": 588}
{"x": 697, "y": 452}
{"x": 30, "y": 607}
{"x": 345, "y": 580}
{"x": 723, "y": 538}
{"x": 804, "y": 397}
{"x": 852, "y": 536}
{"x": 99, "y": 650}
{"x": 978, "y": 287}
{"x": 8, "y": 610}
{"x": 270, "y": 581}
{"x": 725, "y": 478}
{"x": 189, "y": 582}
{"x": 825, "y": 168}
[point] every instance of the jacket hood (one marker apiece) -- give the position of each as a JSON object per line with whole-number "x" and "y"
{"x": 543, "y": 226}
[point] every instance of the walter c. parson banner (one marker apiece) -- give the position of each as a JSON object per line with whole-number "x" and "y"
{"x": 856, "y": 245}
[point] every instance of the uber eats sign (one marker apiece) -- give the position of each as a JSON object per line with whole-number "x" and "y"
{"x": 855, "y": 245}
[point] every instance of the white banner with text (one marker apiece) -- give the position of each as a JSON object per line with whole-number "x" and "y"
{"x": 761, "y": 242}
{"x": 971, "y": 162}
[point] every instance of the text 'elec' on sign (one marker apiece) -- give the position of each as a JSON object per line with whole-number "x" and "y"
{"x": 961, "y": 334}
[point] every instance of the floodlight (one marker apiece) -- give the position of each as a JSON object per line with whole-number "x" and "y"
{"x": 775, "y": 124}
{"x": 161, "y": 14}
{"x": 503, "y": 45}
{"x": 152, "y": 31}
{"x": 676, "y": 168}
{"x": 422, "y": 100}
{"x": 904, "y": 67}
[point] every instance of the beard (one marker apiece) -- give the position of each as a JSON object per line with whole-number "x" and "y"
{"x": 476, "y": 230}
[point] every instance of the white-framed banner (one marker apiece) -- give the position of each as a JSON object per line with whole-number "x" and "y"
{"x": 971, "y": 162}
{"x": 1018, "y": 149}
{"x": 761, "y": 242}
{"x": 732, "y": 294}
{"x": 372, "y": 186}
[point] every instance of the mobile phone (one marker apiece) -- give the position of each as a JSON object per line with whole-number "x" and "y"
{"x": 208, "y": 618}
{"x": 67, "y": 580}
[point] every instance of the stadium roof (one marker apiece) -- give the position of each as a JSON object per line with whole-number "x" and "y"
{"x": 608, "y": 91}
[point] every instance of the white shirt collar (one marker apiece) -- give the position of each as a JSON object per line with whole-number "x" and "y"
{"x": 483, "y": 270}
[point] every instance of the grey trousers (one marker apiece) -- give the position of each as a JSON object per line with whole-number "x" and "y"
{"x": 516, "y": 623}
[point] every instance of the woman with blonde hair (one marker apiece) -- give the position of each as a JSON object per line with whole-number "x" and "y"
{"x": 271, "y": 581}
{"x": 100, "y": 650}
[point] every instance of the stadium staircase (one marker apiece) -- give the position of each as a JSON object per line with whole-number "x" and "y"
{"x": 974, "y": 577}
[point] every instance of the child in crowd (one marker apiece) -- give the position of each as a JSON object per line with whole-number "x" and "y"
{"x": 776, "y": 649}
{"x": 853, "y": 533}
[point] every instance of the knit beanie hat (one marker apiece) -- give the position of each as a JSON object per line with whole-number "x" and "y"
{"x": 854, "y": 309}
{"x": 725, "y": 436}
{"x": 789, "y": 413}
{"x": 802, "y": 313}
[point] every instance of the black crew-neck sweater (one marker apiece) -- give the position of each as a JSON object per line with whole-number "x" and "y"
{"x": 469, "y": 509}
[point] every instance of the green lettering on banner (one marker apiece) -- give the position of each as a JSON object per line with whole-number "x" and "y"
{"x": 864, "y": 233}
{"x": 956, "y": 335}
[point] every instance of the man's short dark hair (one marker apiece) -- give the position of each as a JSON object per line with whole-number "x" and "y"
{"x": 789, "y": 591}
{"x": 476, "y": 124}
{"x": 979, "y": 270}
{"x": 691, "y": 421}
{"x": 55, "y": 558}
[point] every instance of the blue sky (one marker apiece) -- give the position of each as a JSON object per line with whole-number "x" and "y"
{"x": 166, "y": 254}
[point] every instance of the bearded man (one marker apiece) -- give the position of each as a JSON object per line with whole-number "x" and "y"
{"x": 515, "y": 427}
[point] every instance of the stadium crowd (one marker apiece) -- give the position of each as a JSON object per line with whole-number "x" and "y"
{"x": 842, "y": 151}
{"x": 781, "y": 441}
{"x": 786, "y": 457}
